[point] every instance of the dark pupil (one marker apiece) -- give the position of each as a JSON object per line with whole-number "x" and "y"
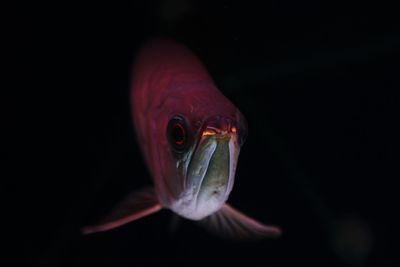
{"x": 178, "y": 134}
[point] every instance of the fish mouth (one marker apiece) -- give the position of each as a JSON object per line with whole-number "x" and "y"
{"x": 211, "y": 172}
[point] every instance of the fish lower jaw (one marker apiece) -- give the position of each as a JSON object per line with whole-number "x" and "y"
{"x": 197, "y": 211}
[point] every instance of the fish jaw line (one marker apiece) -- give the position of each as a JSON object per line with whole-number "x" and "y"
{"x": 210, "y": 176}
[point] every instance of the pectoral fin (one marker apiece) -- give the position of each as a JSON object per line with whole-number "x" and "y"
{"x": 231, "y": 223}
{"x": 135, "y": 206}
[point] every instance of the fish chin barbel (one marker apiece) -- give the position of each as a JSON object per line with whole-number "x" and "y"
{"x": 190, "y": 135}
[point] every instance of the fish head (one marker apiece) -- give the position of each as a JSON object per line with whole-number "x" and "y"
{"x": 204, "y": 155}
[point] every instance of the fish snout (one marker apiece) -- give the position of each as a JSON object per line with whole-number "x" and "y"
{"x": 225, "y": 127}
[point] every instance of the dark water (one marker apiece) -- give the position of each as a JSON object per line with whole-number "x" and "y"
{"x": 317, "y": 83}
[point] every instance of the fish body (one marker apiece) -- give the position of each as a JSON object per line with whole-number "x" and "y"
{"x": 190, "y": 135}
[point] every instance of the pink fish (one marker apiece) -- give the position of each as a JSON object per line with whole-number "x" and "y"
{"x": 190, "y": 135}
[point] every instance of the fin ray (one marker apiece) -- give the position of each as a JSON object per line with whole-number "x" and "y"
{"x": 230, "y": 223}
{"x": 136, "y": 205}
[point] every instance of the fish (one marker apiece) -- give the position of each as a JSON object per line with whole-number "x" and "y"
{"x": 190, "y": 136}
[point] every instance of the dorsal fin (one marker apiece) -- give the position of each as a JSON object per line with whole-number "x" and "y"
{"x": 136, "y": 205}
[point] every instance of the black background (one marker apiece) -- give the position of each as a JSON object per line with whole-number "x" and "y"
{"x": 317, "y": 83}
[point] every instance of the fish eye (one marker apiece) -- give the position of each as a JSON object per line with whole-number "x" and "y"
{"x": 177, "y": 133}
